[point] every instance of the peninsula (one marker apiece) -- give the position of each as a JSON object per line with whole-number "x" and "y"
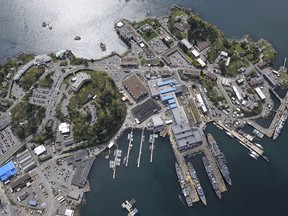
{"x": 58, "y": 112}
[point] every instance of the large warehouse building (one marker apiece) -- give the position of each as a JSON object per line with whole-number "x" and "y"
{"x": 7, "y": 170}
{"x": 136, "y": 88}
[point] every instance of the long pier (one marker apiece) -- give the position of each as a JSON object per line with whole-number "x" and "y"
{"x": 129, "y": 146}
{"x": 243, "y": 141}
{"x": 140, "y": 149}
{"x": 181, "y": 161}
{"x": 152, "y": 147}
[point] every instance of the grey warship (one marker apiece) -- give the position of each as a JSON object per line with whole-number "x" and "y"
{"x": 220, "y": 158}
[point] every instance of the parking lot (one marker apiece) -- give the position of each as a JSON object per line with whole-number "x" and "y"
{"x": 157, "y": 45}
{"x": 177, "y": 59}
{"x": 7, "y": 140}
{"x": 40, "y": 96}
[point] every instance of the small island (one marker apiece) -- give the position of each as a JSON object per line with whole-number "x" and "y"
{"x": 179, "y": 73}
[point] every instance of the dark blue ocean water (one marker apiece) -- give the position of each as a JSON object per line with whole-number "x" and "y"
{"x": 21, "y": 22}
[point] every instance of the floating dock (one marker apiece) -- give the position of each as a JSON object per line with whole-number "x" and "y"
{"x": 128, "y": 205}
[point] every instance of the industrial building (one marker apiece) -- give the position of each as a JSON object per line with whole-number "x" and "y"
{"x": 179, "y": 115}
{"x": 83, "y": 164}
{"x": 145, "y": 110}
{"x": 7, "y": 170}
{"x": 260, "y": 93}
{"x": 64, "y": 128}
{"x": 237, "y": 92}
{"x": 157, "y": 123}
{"x": 22, "y": 71}
{"x": 129, "y": 62}
{"x": 201, "y": 104}
{"x": 161, "y": 87}
{"x": 68, "y": 142}
{"x": 201, "y": 62}
{"x": 41, "y": 149}
{"x": 136, "y": 88}
{"x": 20, "y": 182}
{"x": 80, "y": 79}
{"x": 195, "y": 53}
{"x": 26, "y": 161}
{"x": 186, "y": 137}
{"x": 186, "y": 44}
{"x": 271, "y": 79}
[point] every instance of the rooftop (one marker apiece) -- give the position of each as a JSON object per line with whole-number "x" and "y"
{"x": 135, "y": 87}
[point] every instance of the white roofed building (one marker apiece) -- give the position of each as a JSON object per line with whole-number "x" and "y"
{"x": 69, "y": 212}
{"x": 40, "y": 150}
{"x": 64, "y": 128}
{"x": 195, "y": 53}
{"x": 260, "y": 93}
{"x": 201, "y": 62}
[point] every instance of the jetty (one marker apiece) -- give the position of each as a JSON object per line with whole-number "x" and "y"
{"x": 130, "y": 139}
{"x": 140, "y": 149}
{"x": 183, "y": 166}
{"x": 242, "y": 140}
{"x": 128, "y": 205}
{"x": 152, "y": 146}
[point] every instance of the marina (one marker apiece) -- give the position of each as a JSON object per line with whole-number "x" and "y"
{"x": 152, "y": 146}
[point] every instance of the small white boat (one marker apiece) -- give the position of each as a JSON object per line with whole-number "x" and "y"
{"x": 229, "y": 134}
{"x": 259, "y": 146}
{"x": 253, "y": 156}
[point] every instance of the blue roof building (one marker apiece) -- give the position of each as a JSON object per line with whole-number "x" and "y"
{"x": 7, "y": 170}
{"x": 173, "y": 106}
{"x": 32, "y": 203}
{"x": 171, "y": 101}
{"x": 168, "y": 82}
{"x": 165, "y": 91}
{"x": 167, "y": 97}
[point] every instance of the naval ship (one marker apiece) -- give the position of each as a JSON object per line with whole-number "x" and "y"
{"x": 211, "y": 176}
{"x": 183, "y": 185}
{"x": 195, "y": 179}
{"x": 220, "y": 158}
{"x": 280, "y": 125}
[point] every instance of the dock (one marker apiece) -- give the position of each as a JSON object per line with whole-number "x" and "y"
{"x": 128, "y": 205}
{"x": 152, "y": 146}
{"x": 130, "y": 139}
{"x": 242, "y": 140}
{"x": 182, "y": 163}
{"x": 140, "y": 149}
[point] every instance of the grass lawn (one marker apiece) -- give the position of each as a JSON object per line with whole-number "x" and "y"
{"x": 31, "y": 76}
{"x": 177, "y": 12}
{"x": 238, "y": 48}
{"x": 148, "y": 37}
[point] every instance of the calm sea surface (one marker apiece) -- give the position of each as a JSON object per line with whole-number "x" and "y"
{"x": 258, "y": 188}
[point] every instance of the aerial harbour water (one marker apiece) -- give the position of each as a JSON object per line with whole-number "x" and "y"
{"x": 258, "y": 188}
